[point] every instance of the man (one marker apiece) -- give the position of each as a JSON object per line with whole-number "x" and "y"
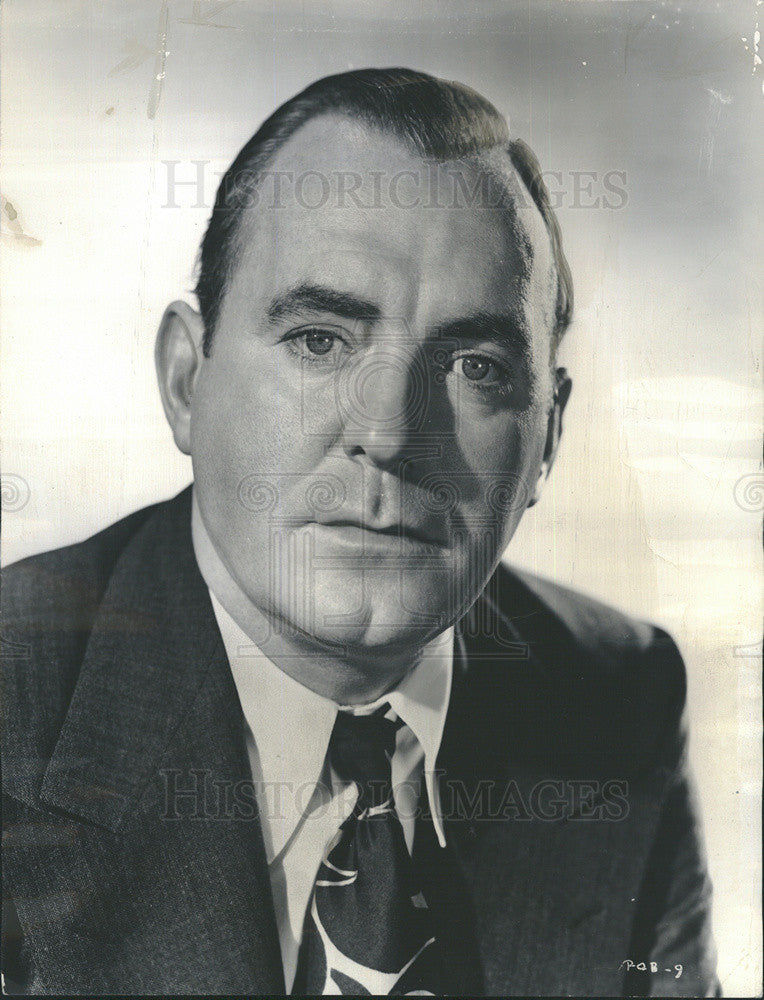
{"x": 298, "y": 729}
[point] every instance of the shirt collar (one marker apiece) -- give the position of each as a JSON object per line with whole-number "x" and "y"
{"x": 421, "y": 699}
{"x": 291, "y": 725}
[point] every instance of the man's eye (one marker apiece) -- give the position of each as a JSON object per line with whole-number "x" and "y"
{"x": 478, "y": 369}
{"x": 483, "y": 372}
{"x": 319, "y": 342}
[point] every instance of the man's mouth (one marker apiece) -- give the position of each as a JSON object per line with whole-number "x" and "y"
{"x": 350, "y": 528}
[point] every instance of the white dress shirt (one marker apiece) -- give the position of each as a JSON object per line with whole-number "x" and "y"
{"x": 302, "y": 802}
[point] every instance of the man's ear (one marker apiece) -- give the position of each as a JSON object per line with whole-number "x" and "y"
{"x": 178, "y": 357}
{"x": 562, "y": 388}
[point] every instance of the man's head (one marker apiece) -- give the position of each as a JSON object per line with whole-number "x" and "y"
{"x": 438, "y": 119}
{"x": 369, "y": 394}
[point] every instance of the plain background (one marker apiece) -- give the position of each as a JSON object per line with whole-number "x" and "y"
{"x": 655, "y": 504}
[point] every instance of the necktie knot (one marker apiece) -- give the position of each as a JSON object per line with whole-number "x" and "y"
{"x": 361, "y": 749}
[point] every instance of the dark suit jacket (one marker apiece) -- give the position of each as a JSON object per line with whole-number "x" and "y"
{"x": 116, "y": 676}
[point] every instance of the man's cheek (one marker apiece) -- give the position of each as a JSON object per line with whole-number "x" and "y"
{"x": 487, "y": 523}
{"x": 241, "y": 437}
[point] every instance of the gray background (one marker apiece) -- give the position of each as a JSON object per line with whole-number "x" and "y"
{"x": 656, "y": 501}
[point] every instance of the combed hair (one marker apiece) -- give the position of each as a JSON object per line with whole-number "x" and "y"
{"x": 438, "y": 119}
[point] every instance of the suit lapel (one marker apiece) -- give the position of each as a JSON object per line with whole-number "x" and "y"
{"x": 536, "y": 887}
{"x": 152, "y": 750}
{"x": 153, "y": 650}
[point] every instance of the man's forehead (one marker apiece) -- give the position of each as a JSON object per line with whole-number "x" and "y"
{"x": 333, "y": 141}
{"x": 338, "y": 162}
{"x": 339, "y": 189}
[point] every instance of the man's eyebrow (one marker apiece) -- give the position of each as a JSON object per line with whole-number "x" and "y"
{"x": 487, "y": 326}
{"x": 305, "y": 299}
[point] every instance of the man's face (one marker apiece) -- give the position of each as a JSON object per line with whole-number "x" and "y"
{"x": 371, "y": 422}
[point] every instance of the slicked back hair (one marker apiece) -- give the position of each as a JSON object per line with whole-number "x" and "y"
{"x": 437, "y": 119}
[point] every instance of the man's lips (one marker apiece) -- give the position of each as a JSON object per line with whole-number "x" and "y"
{"x": 410, "y": 533}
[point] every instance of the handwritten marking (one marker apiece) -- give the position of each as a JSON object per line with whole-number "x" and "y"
{"x": 651, "y": 966}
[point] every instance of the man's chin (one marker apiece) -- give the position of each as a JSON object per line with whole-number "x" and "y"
{"x": 379, "y": 638}
{"x": 374, "y": 615}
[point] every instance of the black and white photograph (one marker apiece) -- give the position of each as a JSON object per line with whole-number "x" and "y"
{"x": 382, "y": 497}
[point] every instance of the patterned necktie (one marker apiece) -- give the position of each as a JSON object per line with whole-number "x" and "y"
{"x": 367, "y": 929}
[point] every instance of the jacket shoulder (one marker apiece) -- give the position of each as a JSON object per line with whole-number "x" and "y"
{"x": 36, "y": 582}
{"x": 48, "y": 603}
{"x": 596, "y": 627}
{"x": 585, "y": 683}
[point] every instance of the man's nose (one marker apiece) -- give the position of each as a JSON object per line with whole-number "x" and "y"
{"x": 383, "y": 404}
